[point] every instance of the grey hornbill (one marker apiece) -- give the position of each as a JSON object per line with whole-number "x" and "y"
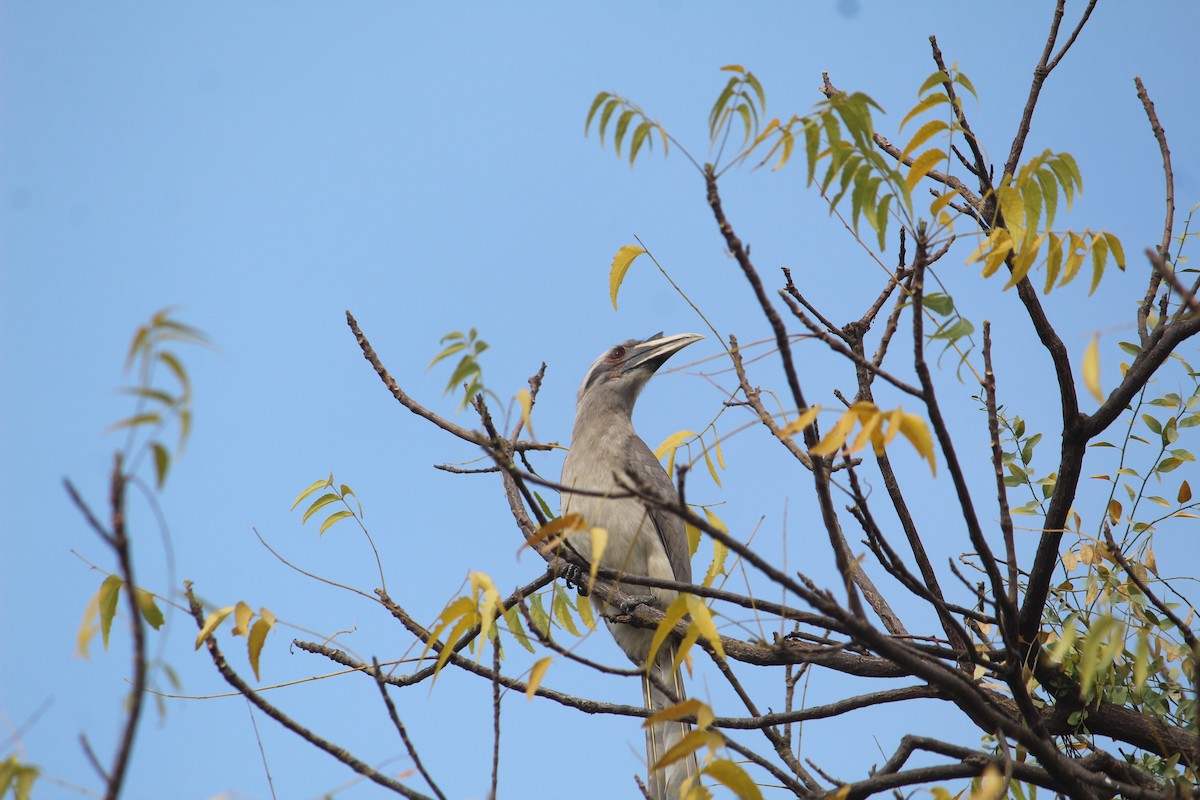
{"x": 606, "y": 456}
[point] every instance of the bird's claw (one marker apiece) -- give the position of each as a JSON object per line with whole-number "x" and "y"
{"x": 573, "y": 576}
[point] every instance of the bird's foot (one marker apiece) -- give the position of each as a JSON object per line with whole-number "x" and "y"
{"x": 635, "y": 600}
{"x": 575, "y": 578}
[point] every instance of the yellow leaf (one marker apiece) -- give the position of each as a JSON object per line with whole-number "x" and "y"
{"x": 921, "y": 165}
{"x": 211, "y": 622}
{"x": 991, "y": 784}
{"x": 924, "y": 134}
{"x": 1091, "y": 369}
{"x": 702, "y": 619}
{"x": 567, "y": 523}
{"x": 941, "y": 201}
{"x": 693, "y": 538}
{"x": 525, "y": 400}
{"x": 242, "y": 614}
{"x": 717, "y": 566}
{"x": 257, "y": 637}
{"x": 716, "y": 521}
{"x": 915, "y": 430}
{"x": 733, "y": 777}
{"x": 689, "y": 744}
{"x": 834, "y": 440}
{"x": 620, "y": 265}
{"x": 869, "y": 433}
{"x": 482, "y": 584}
{"x": 688, "y": 708}
{"x": 599, "y": 537}
{"x": 673, "y": 614}
{"x": 672, "y": 442}
{"x": 800, "y": 423}
{"x": 535, "y": 676}
{"x": 87, "y": 626}
{"x": 584, "y": 607}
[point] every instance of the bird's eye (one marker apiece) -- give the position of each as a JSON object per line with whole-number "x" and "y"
{"x": 616, "y": 354}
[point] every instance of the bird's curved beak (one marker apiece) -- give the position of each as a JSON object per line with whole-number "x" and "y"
{"x": 653, "y": 352}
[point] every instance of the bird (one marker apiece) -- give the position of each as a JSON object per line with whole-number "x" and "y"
{"x": 606, "y": 453}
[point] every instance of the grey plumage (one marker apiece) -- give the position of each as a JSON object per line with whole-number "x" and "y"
{"x": 642, "y": 541}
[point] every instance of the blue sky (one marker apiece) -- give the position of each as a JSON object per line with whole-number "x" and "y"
{"x": 265, "y": 167}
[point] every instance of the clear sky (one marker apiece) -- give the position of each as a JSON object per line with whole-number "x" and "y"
{"x": 267, "y": 166}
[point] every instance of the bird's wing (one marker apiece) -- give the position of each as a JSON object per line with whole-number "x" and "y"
{"x": 647, "y": 470}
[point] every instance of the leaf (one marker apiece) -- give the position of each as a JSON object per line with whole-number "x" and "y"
{"x": 717, "y": 565}
{"x": 1185, "y": 493}
{"x": 149, "y": 418}
{"x": 513, "y": 618}
{"x": 836, "y": 437}
{"x": 314, "y": 487}
{"x": 702, "y": 619}
{"x": 562, "y": 612}
{"x": 691, "y": 707}
{"x": 318, "y": 504}
{"x": 733, "y": 777}
{"x": 915, "y": 430}
{"x": 1091, "y": 369}
{"x": 162, "y": 462}
{"x": 536, "y": 673}
{"x": 333, "y": 518}
{"x": 110, "y": 591}
{"x": 693, "y": 538}
{"x": 525, "y": 400}
{"x": 1099, "y": 259}
{"x": 922, "y": 165}
{"x": 150, "y": 610}
{"x": 672, "y": 442}
{"x": 620, "y": 265}
{"x": 242, "y": 614}
{"x": 584, "y": 607}
{"x": 934, "y": 80}
{"x": 800, "y": 423}
{"x": 673, "y": 614}
{"x": 567, "y": 523}
{"x": 258, "y": 636}
{"x": 596, "y": 103}
{"x": 599, "y": 538}
{"x": 690, "y": 743}
{"x": 211, "y": 622}
{"x": 712, "y": 470}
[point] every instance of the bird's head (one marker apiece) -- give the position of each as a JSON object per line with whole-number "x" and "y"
{"x": 616, "y": 378}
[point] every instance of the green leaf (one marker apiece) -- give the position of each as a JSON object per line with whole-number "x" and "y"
{"x": 318, "y": 504}
{"x": 162, "y": 462}
{"x": 333, "y": 518}
{"x": 939, "y": 303}
{"x": 110, "y": 591}
{"x": 936, "y": 79}
{"x": 150, "y": 611}
{"x": 537, "y": 613}
{"x": 562, "y": 612}
{"x": 312, "y": 488}
{"x": 599, "y": 101}
{"x": 513, "y": 619}
{"x": 1099, "y": 259}
{"x": 609, "y": 108}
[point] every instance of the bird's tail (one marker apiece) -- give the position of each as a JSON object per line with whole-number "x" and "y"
{"x": 665, "y": 783}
